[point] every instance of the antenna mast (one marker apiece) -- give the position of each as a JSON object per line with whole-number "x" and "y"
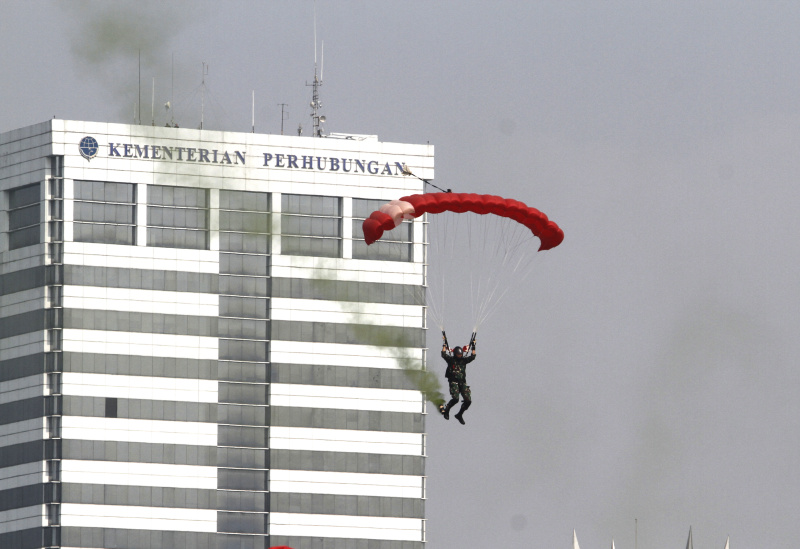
{"x": 172, "y": 94}
{"x": 153, "y": 104}
{"x": 140, "y": 87}
{"x": 283, "y": 116}
{"x": 203, "y": 94}
{"x": 316, "y": 104}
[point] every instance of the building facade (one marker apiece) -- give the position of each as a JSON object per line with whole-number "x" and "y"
{"x": 196, "y": 347}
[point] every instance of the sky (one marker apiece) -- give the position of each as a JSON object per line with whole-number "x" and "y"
{"x": 644, "y": 378}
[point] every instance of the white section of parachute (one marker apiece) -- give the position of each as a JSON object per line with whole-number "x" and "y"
{"x": 398, "y": 210}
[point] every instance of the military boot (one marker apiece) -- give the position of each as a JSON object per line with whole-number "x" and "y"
{"x": 459, "y": 415}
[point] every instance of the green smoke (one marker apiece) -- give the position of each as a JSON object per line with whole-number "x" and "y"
{"x": 381, "y": 336}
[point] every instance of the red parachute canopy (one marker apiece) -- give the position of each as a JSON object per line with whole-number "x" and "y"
{"x": 392, "y": 214}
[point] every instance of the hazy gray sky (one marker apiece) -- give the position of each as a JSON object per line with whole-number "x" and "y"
{"x": 648, "y": 368}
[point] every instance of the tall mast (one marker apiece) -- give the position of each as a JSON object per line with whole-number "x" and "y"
{"x": 203, "y": 94}
{"x": 316, "y": 104}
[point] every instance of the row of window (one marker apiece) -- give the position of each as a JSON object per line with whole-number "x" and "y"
{"x": 178, "y": 217}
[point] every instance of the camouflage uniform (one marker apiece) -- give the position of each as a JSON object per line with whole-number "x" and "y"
{"x": 456, "y": 375}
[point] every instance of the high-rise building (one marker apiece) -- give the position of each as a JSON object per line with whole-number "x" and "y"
{"x": 198, "y": 351}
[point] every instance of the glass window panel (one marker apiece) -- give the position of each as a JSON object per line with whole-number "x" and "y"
{"x": 362, "y": 208}
{"x": 310, "y": 205}
{"x": 177, "y": 196}
{"x": 82, "y": 190}
{"x": 23, "y": 237}
{"x": 98, "y": 190}
{"x": 241, "y": 436}
{"x": 183, "y": 218}
{"x": 24, "y": 217}
{"x": 243, "y": 264}
{"x": 103, "y": 191}
{"x": 177, "y": 238}
{"x": 244, "y": 200}
{"x": 382, "y": 251}
{"x": 243, "y": 328}
{"x": 104, "y": 213}
{"x": 23, "y": 196}
{"x": 243, "y": 393}
{"x": 243, "y": 307}
{"x": 323, "y": 247}
{"x": 244, "y": 222}
{"x": 244, "y": 242}
{"x": 231, "y": 242}
{"x": 237, "y": 349}
{"x": 310, "y": 226}
{"x": 241, "y": 285}
{"x": 119, "y": 192}
{"x": 241, "y": 523}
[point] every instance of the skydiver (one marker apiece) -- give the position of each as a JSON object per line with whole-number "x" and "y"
{"x": 456, "y": 375}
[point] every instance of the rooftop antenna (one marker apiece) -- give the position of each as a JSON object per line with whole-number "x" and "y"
{"x": 203, "y": 94}
{"x": 283, "y": 115}
{"x": 316, "y": 104}
{"x": 140, "y": 87}
{"x": 153, "y": 104}
{"x": 172, "y": 94}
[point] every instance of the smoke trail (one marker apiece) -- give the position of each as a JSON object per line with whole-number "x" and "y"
{"x": 108, "y": 38}
{"x": 381, "y": 336}
{"x": 423, "y": 380}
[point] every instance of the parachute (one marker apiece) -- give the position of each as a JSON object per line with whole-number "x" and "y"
{"x": 490, "y": 240}
{"x": 392, "y": 214}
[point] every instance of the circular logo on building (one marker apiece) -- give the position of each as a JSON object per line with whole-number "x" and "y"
{"x": 88, "y": 147}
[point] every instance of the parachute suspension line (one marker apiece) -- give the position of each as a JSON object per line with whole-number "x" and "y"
{"x": 497, "y": 258}
{"x": 489, "y": 224}
{"x": 494, "y": 249}
{"x": 438, "y": 272}
{"x": 438, "y": 239}
{"x": 518, "y": 253}
{"x": 493, "y": 264}
{"x": 498, "y": 293}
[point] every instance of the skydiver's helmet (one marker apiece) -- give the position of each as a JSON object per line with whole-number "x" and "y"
{"x": 458, "y": 352}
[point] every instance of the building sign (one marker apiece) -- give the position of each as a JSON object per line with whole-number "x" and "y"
{"x": 282, "y": 160}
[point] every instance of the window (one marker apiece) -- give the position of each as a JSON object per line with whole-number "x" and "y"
{"x": 394, "y": 245}
{"x": 244, "y": 222}
{"x": 111, "y": 407}
{"x": 311, "y": 225}
{"x": 104, "y": 212}
{"x": 177, "y": 217}
{"x": 23, "y": 217}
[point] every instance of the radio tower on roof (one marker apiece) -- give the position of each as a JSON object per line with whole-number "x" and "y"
{"x": 316, "y": 104}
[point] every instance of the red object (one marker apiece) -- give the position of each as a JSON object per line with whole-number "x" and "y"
{"x": 547, "y": 231}
{"x": 280, "y": 547}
